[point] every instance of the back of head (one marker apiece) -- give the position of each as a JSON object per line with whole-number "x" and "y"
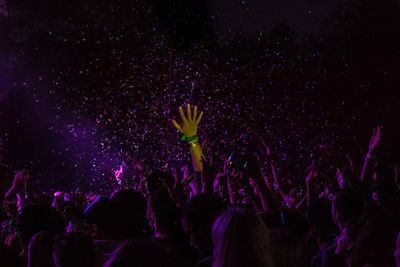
{"x": 374, "y": 241}
{"x": 203, "y": 208}
{"x": 131, "y": 213}
{"x": 271, "y": 219}
{"x": 320, "y": 218}
{"x": 138, "y": 253}
{"x": 295, "y": 222}
{"x": 102, "y": 213}
{"x": 73, "y": 250}
{"x": 34, "y": 218}
{"x": 198, "y": 217}
{"x": 348, "y": 206}
{"x": 164, "y": 211}
{"x": 240, "y": 239}
{"x": 287, "y": 249}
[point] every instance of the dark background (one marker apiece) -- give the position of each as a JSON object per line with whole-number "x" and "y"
{"x": 95, "y": 83}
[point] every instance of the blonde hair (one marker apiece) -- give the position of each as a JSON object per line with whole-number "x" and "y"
{"x": 241, "y": 239}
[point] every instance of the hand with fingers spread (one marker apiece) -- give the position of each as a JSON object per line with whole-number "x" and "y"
{"x": 118, "y": 174}
{"x": 189, "y": 122}
{"x": 189, "y": 130}
{"x": 19, "y": 179}
{"x": 18, "y": 183}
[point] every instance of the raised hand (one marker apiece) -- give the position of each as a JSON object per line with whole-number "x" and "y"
{"x": 189, "y": 130}
{"x": 311, "y": 173}
{"x": 18, "y": 183}
{"x": 189, "y": 122}
{"x": 19, "y": 179}
{"x": 118, "y": 174}
{"x": 375, "y": 138}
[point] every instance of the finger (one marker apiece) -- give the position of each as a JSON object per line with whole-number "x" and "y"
{"x": 195, "y": 113}
{"x": 189, "y": 112}
{"x": 177, "y": 126}
{"x": 199, "y": 118}
{"x": 184, "y": 120}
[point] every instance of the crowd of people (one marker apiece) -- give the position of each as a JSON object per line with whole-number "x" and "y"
{"x": 243, "y": 214}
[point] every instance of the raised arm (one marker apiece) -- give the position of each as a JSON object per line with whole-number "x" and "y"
{"x": 310, "y": 178}
{"x": 268, "y": 201}
{"x": 189, "y": 130}
{"x": 368, "y": 165}
{"x": 18, "y": 183}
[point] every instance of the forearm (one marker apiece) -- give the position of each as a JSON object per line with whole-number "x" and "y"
{"x": 196, "y": 152}
{"x": 276, "y": 181}
{"x": 367, "y": 169}
{"x": 268, "y": 202}
{"x": 232, "y": 196}
{"x": 11, "y": 193}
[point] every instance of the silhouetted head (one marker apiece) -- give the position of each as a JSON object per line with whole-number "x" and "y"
{"x": 34, "y": 218}
{"x": 320, "y": 218}
{"x": 287, "y": 249}
{"x": 346, "y": 206}
{"x": 295, "y": 222}
{"x": 131, "y": 213}
{"x": 73, "y": 250}
{"x": 164, "y": 212}
{"x": 102, "y": 214}
{"x": 198, "y": 217}
{"x": 241, "y": 239}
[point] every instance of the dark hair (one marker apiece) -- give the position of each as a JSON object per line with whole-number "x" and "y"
{"x": 34, "y": 218}
{"x": 374, "y": 241}
{"x": 203, "y": 208}
{"x": 271, "y": 219}
{"x": 320, "y": 217}
{"x": 74, "y": 249}
{"x": 295, "y": 222}
{"x": 131, "y": 213}
{"x": 102, "y": 213}
{"x": 165, "y": 211}
{"x": 349, "y": 205}
{"x": 287, "y": 249}
{"x": 199, "y": 215}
